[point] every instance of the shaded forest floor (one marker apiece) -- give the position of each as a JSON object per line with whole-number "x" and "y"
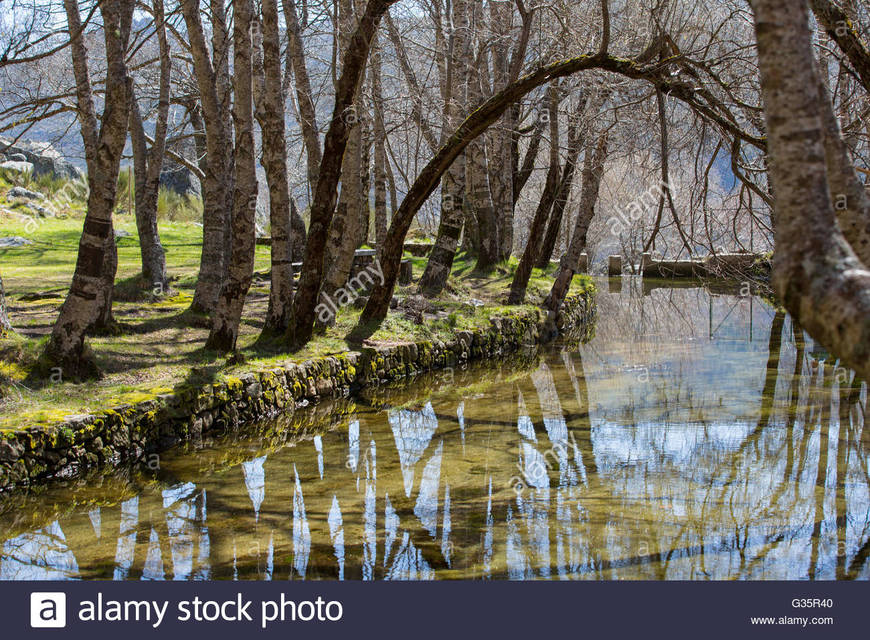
{"x": 158, "y": 344}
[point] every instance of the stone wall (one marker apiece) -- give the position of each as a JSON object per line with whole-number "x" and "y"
{"x": 130, "y": 432}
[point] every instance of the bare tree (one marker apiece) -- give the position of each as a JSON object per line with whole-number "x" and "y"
{"x": 548, "y": 197}
{"x": 304, "y": 95}
{"x": 147, "y": 164}
{"x": 841, "y": 29}
{"x": 335, "y": 143}
{"x": 216, "y": 184}
{"x": 270, "y": 115}
{"x": 228, "y": 312}
{"x": 593, "y": 169}
{"x": 104, "y": 144}
{"x": 380, "y": 147}
{"x": 453, "y": 187}
{"x": 816, "y": 273}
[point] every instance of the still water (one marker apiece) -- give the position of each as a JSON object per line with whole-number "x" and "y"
{"x": 698, "y": 435}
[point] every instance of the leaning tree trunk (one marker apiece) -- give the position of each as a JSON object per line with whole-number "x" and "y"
{"x": 231, "y": 301}
{"x": 560, "y": 200}
{"x": 852, "y": 204}
{"x": 593, "y": 169}
{"x": 215, "y": 182}
{"x": 378, "y": 304}
{"x": 545, "y": 204}
{"x": 5, "y": 324}
{"x": 104, "y": 145}
{"x": 841, "y": 30}
{"x": 147, "y": 166}
{"x": 528, "y": 166}
{"x": 344, "y": 235}
{"x": 270, "y": 114}
{"x": 325, "y": 194}
{"x": 576, "y": 140}
{"x": 453, "y": 213}
{"x": 816, "y": 274}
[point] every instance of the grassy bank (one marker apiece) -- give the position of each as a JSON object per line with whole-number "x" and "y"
{"x": 158, "y": 345}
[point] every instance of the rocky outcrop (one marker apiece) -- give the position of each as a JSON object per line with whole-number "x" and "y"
{"x": 44, "y": 158}
{"x": 179, "y": 179}
{"x": 130, "y": 432}
{"x": 19, "y": 166}
{"x": 26, "y": 194}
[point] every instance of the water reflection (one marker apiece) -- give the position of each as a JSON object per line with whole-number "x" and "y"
{"x": 698, "y": 435}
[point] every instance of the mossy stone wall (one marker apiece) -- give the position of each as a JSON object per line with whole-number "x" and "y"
{"x": 132, "y": 431}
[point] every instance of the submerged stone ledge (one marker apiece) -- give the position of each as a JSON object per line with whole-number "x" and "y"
{"x": 129, "y": 432}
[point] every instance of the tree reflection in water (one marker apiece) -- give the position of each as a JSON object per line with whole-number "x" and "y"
{"x": 698, "y": 435}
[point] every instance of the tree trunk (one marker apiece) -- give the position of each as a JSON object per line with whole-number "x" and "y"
{"x": 593, "y": 169}
{"x": 147, "y": 193}
{"x": 270, "y": 114}
{"x": 563, "y": 194}
{"x": 413, "y": 84}
{"x": 841, "y": 30}
{"x": 453, "y": 212}
{"x": 575, "y": 144}
{"x": 545, "y": 204}
{"x": 817, "y": 275}
{"x": 851, "y": 202}
{"x": 103, "y": 148}
{"x": 215, "y": 183}
{"x": 528, "y": 166}
{"x": 5, "y": 324}
{"x": 335, "y": 143}
{"x": 346, "y": 233}
{"x": 378, "y": 304}
{"x": 365, "y": 221}
{"x": 500, "y": 140}
{"x": 147, "y": 166}
{"x": 228, "y": 312}
{"x": 482, "y": 213}
{"x": 304, "y": 99}
{"x": 380, "y": 150}
{"x": 106, "y": 295}
{"x": 220, "y": 46}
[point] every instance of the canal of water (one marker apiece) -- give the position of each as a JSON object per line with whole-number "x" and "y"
{"x": 698, "y": 435}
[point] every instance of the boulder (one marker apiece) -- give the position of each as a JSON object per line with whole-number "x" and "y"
{"x": 16, "y": 165}
{"x": 44, "y": 158}
{"x": 17, "y": 157}
{"x": 179, "y": 179}
{"x": 27, "y": 194}
{"x": 39, "y": 211}
{"x": 13, "y": 242}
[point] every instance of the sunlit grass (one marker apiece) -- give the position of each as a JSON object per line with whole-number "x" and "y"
{"x": 160, "y": 345}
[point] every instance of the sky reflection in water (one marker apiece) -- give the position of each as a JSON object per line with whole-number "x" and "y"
{"x": 698, "y": 435}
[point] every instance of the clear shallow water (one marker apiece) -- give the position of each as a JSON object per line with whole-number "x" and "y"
{"x": 698, "y": 435}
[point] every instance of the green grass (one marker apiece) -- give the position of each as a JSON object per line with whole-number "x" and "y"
{"x": 160, "y": 344}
